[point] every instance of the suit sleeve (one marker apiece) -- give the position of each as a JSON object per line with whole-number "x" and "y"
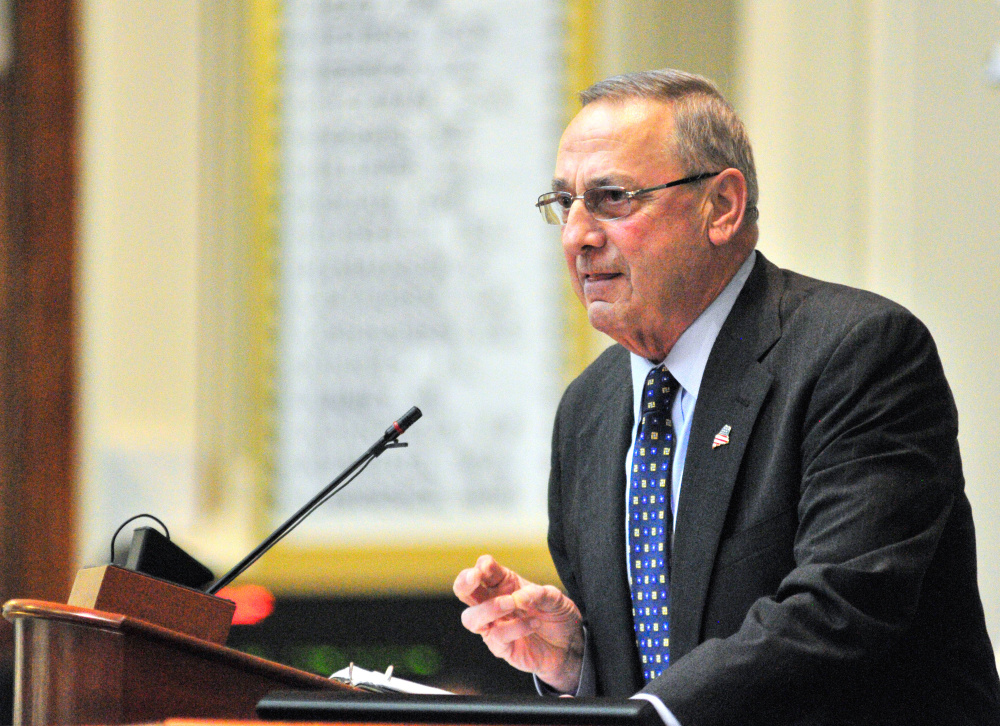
{"x": 880, "y": 471}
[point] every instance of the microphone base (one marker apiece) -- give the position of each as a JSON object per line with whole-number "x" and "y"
{"x": 175, "y": 607}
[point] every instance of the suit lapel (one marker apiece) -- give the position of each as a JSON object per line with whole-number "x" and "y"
{"x": 610, "y": 420}
{"x": 733, "y": 388}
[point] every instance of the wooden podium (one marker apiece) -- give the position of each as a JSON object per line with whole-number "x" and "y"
{"x": 86, "y": 665}
{"x": 78, "y": 665}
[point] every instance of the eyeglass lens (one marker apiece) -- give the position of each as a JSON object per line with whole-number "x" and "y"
{"x": 605, "y": 203}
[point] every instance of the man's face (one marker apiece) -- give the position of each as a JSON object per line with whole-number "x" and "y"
{"x": 646, "y": 277}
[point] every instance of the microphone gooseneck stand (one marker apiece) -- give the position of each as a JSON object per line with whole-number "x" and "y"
{"x": 387, "y": 441}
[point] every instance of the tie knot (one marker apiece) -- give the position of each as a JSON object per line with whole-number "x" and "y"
{"x": 658, "y": 391}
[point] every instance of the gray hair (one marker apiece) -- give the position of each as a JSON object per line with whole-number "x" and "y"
{"x": 708, "y": 135}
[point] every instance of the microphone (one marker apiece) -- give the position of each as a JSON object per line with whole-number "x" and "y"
{"x": 387, "y": 441}
{"x": 399, "y": 427}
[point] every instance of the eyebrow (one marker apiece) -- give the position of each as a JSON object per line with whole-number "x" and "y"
{"x": 561, "y": 185}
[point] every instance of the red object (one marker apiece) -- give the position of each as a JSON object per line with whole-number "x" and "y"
{"x": 253, "y": 603}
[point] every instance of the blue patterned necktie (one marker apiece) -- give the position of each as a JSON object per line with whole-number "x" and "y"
{"x": 651, "y": 523}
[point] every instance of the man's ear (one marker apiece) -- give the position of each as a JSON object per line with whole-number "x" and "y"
{"x": 727, "y": 204}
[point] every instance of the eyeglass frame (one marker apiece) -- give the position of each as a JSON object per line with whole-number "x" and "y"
{"x": 630, "y": 195}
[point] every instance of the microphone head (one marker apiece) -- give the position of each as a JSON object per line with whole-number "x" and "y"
{"x": 409, "y": 418}
{"x": 405, "y": 421}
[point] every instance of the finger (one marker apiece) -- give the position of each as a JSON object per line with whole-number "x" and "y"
{"x": 500, "y": 650}
{"x": 544, "y": 599}
{"x": 471, "y": 586}
{"x": 479, "y": 618}
{"x": 511, "y": 629}
{"x": 493, "y": 574}
{"x": 486, "y": 580}
{"x": 466, "y": 584}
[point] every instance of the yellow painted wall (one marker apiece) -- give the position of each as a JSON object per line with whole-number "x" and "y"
{"x": 139, "y": 233}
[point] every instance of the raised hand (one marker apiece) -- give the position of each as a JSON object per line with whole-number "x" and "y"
{"x": 535, "y": 628}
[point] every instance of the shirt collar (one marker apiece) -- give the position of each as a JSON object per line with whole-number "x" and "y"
{"x": 689, "y": 356}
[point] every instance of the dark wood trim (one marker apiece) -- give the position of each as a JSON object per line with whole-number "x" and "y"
{"x": 84, "y": 666}
{"x": 10, "y": 405}
{"x": 37, "y": 302}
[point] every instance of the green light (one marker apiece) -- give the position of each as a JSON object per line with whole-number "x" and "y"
{"x": 423, "y": 660}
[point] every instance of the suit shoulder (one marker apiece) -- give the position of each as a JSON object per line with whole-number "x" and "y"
{"x": 827, "y": 307}
{"x": 815, "y": 328}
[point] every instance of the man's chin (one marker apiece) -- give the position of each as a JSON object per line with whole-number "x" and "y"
{"x": 603, "y": 318}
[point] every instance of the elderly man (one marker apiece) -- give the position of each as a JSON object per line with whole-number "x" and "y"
{"x": 756, "y": 500}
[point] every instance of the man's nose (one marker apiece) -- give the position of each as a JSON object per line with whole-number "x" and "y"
{"x": 581, "y": 230}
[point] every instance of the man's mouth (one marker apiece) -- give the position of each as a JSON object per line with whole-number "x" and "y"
{"x": 600, "y": 285}
{"x": 599, "y": 276}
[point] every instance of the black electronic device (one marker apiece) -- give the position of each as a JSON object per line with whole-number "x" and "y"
{"x": 348, "y": 707}
{"x": 151, "y": 553}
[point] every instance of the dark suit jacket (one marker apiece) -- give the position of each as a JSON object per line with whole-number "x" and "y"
{"x": 824, "y": 565}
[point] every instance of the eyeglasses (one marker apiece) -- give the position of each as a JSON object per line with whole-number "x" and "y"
{"x": 605, "y": 203}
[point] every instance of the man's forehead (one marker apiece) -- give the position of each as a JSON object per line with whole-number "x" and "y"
{"x": 608, "y": 140}
{"x": 619, "y": 120}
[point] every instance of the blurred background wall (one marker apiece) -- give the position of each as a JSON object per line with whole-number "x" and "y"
{"x": 875, "y": 125}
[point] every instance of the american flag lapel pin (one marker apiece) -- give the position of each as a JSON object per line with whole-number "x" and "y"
{"x": 722, "y": 438}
